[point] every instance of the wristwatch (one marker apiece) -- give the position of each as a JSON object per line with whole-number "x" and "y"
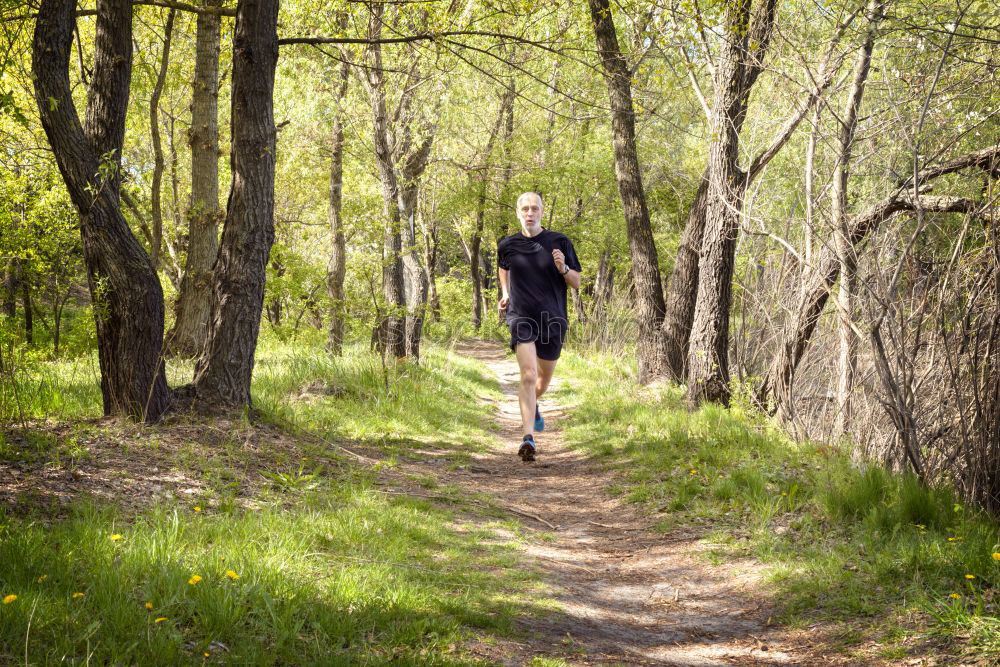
{"x": 565, "y": 269}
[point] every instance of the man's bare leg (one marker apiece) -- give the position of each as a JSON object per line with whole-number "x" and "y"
{"x": 528, "y": 362}
{"x": 546, "y": 369}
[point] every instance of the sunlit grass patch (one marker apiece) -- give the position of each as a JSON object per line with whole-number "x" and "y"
{"x": 349, "y": 576}
{"x": 436, "y": 402}
{"x": 845, "y": 542}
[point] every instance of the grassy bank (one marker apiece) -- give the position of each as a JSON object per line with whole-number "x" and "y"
{"x": 845, "y": 544}
{"x": 257, "y": 552}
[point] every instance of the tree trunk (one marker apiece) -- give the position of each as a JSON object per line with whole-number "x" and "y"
{"x": 156, "y": 240}
{"x": 603, "y": 284}
{"x": 194, "y": 298}
{"x": 337, "y": 267}
{"x": 642, "y": 249}
{"x": 10, "y": 289}
{"x": 223, "y": 373}
{"x": 414, "y": 278}
{"x": 29, "y": 322}
{"x": 708, "y": 355}
{"x": 393, "y": 324}
{"x": 848, "y": 361}
{"x": 475, "y": 245}
{"x": 128, "y": 300}
{"x": 683, "y": 294}
{"x": 430, "y": 263}
{"x": 273, "y": 308}
{"x": 682, "y": 288}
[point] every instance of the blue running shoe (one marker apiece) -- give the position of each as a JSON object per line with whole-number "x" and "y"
{"x": 539, "y": 421}
{"x": 527, "y": 451}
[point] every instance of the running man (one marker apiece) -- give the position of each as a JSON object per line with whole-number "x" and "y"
{"x": 535, "y": 266}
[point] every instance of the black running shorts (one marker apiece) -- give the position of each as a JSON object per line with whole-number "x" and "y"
{"x": 547, "y": 333}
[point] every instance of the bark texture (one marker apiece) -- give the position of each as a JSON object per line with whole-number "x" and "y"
{"x": 127, "y": 297}
{"x": 223, "y": 373}
{"x": 642, "y": 249}
{"x": 156, "y": 237}
{"x": 337, "y": 267}
{"x": 682, "y": 288}
{"x": 708, "y": 355}
{"x": 392, "y": 329}
{"x": 739, "y": 65}
{"x": 194, "y": 299}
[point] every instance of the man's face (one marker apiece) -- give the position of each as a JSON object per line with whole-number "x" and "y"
{"x": 529, "y": 211}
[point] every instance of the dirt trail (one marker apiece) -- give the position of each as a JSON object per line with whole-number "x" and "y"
{"x": 627, "y": 595}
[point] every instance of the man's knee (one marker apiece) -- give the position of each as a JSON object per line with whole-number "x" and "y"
{"x": 529, "y": 375}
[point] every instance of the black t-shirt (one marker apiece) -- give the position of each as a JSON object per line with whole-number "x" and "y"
{"x": 535, "y": 284}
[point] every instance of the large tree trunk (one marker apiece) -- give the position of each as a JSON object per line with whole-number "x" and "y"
{"x": 194, "y": 299}
{"x": 739, "y": 66}
{"x": 682, "y": 288}
{"x": 223, "y": 373}
{"x": 642, "y": 249}
{"x": 337, "y": 267}
{"x": 156, "y": 240}
{"x": 127, "y": 297}
{"x": 392, "y": 328}
{"x": 708, "y": 355}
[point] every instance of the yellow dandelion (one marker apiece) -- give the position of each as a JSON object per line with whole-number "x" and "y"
{"x": 954, "y": 539}
{"x": 693, "y": 471}
{"x": 232, "y": 575}
{"x": 954, "y": 596}
{"x": 77, "y": 596}
{"x": 194, "y": 579}
{"x": 970, "y": 576}
{"x": 197, "y": 508}
{"x": 43, "y": 578}
{"x": 117, "y": 537}
{"x": 206, "y": 654}
{"x": 9, "y": 598}
{"x": 160, "y": 619}
{"x": 148, "y": 605}
{"x": 996, "y": 555}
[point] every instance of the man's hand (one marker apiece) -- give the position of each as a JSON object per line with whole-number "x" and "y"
{"x": 502, "y": 305}
{"x": 560, "y": 259}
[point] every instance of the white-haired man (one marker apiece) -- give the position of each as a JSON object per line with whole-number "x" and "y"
{"x": 536, "y": 265}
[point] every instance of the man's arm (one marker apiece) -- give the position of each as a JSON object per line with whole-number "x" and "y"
{"x": 572, "y": 278}
{"x": 505, "y": 290}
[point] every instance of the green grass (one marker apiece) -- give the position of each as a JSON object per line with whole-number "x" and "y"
{"x": 298, "y": 385}
{"x": 331, "y": 569}
{"x": 346, "y": 576}
{"x": 435, "y": 402}
{"x": 844, "y": 543}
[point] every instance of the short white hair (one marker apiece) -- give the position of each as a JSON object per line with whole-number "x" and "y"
{"x": 541, "y": 204}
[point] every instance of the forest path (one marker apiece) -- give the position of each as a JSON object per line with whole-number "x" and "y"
{"x": 626, "y": 594}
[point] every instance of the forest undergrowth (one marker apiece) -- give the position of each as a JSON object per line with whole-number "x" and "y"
{"x": 274, "y": 546}
{"x": 848, "y": 544}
